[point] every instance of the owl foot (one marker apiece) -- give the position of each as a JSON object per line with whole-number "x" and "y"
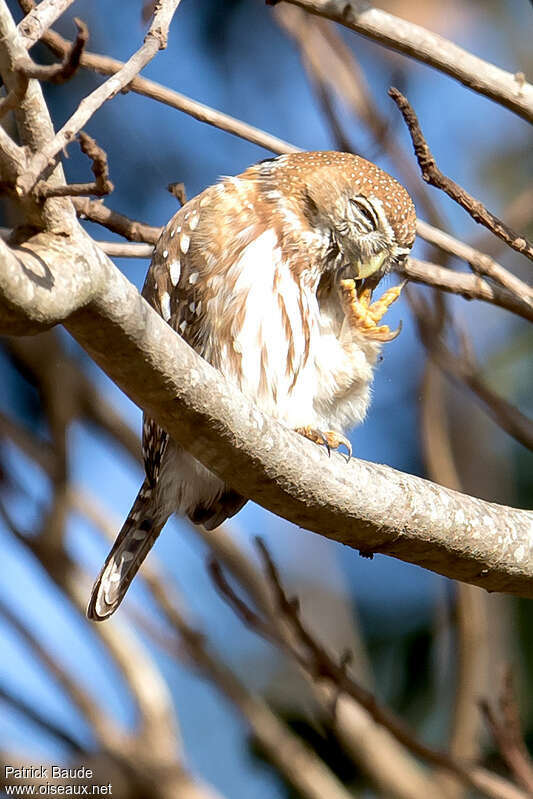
{"x": 363, "y": 315}
{"x": 328, "y": 438}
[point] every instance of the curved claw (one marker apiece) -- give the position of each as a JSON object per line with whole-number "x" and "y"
{"x": 394, "y": 333}
{"x": 328, "y": 438}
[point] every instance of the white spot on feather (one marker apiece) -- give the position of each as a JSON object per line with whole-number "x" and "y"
{"x": 175, "y": 272}
{"x": 193, "y": 278}
{"x": 165, "y": 306}
{"x": 185, "y": 241}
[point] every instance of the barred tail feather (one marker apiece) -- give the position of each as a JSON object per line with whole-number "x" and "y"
{"x": 136, "y": 538}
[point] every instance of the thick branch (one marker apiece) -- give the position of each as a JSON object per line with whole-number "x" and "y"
{"x": 417, "y": 42}
{"x": 367, "y": 506}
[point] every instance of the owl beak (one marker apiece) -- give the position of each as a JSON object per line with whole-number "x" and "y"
{"x": 371, "y": 266}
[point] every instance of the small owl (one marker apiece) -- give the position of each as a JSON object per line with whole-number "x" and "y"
{"x": 269, "y": 277}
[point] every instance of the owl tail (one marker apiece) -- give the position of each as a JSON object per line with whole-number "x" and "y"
{"x": 135, "y": 540}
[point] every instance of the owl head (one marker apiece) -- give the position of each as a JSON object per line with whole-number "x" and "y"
{"x": 368, "y": 216}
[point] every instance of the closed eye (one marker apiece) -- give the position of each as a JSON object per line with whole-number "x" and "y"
{"x": 365, "y": 212}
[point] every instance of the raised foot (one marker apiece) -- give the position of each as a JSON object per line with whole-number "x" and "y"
{"x": 364, "y": 315}
{"x": 328, "y": 438}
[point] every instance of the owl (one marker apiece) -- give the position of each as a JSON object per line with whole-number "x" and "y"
{"x": 269, "y": 277}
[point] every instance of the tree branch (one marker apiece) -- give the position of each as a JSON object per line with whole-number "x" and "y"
{"x": 367, "y": 506}
{"x": 471, "y": 287}
{"x": 432, "y": 175}
{"x": 39, "y": 19}
{"x": 429, "y": 48}
{"x": 155, "y": 40}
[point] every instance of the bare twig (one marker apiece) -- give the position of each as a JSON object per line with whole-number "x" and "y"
{"x": 313, "y": 657}
{"x": 105, "y": 65}
{"x": 132, "y": 230}
{"x": 432, "y": 174}
{"x": 463, "y": 369}
{"x": 100, "y": 187}
{"x": 58, "y": 73}
{"x": 155, "y": 40}
{"x": 507, "y": 733}
{"x": 429, "y": 48}
{"x": 118, "y": 249}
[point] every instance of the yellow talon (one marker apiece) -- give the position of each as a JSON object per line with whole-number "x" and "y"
{"x": 364, "y": 315}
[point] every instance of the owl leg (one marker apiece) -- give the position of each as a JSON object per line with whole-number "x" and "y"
{"x": 363, "y": 315}
{"x": 328, "y": 438}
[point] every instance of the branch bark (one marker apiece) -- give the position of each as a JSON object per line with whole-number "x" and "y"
{"x": 429, "y": 48}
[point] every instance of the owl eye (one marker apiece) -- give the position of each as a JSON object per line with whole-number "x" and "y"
{"x": 365, "y": 213}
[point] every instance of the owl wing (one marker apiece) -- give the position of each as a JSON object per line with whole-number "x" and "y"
{"x": 182, "y": 279}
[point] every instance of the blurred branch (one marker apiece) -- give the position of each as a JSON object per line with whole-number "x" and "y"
{"x": 28, "y": 710}
{"x": 299, "y": 764}
{"x": 429, "y": 48}
{"x": 471, "y": 615}
{"x": 507, "y": 734}
{"x": 155, "y": 40}
{"x": 462, "y": 368}
{"x": 37, "y": 356}
{"x": 432, "y": 175}
{"x": 396, "y": 772}
{"x": 103, "y": 726}
{"x": 314, "y": 658}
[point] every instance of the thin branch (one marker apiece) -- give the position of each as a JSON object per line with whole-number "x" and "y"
{"x": 63, "y": 72}
{"x": 432, "y": 175}
{"x": 155, "y": 40}
{"x": 506, "y": 731}
{"x": 117, "y": 249}
{"x": 471, "y": 287}
{"x": 131, "y": 229}
{"x": 463, "y": 369}
{"x": 105, "y": 65}
{"x": 405, "y": 37}
{"x": 481, "y": 263}
{"x": 315, "y": 659}
{"x": 100, "y": 187}
{"x": 39, "y": 18}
